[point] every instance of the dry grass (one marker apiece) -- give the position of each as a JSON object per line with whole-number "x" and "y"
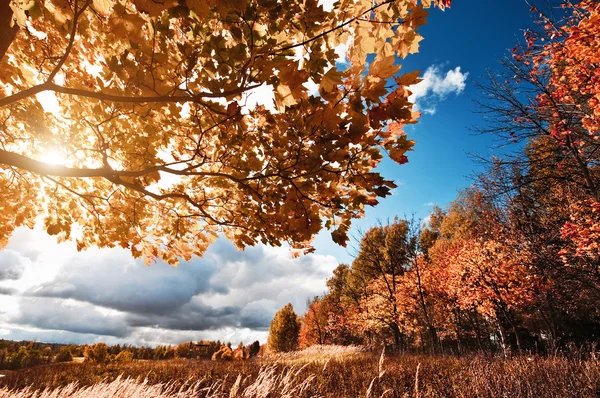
{"x": 362, "y": 375}
{"x": 320, "y": 354}
{"x": 269, "y": 383}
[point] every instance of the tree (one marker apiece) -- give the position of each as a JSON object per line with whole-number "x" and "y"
{"x": 314, "y": 324}
{"x": 132, "y": 120}
{"x": 385, "y": 254}
{"x": 254, "y": 349}
{"x": 284, "y": 330}
{"x": 124, "y": 356}
{"x": 184, "y": 350}
{"x": 96, "y": 353}
{"x": 545, "y": 100}
{"x": 341, "y": 306}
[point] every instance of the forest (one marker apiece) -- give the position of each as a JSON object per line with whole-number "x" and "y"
{"x": 513, "y": 263}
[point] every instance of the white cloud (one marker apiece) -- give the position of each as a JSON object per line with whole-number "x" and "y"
{"x": 437, "y": 86}
{"x": 58, "y": 294}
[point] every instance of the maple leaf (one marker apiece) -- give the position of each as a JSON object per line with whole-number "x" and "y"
{"x": 330, "y": 81}
{"x": 406, "y": 42}
{"x": 384, "y": 67}
{"x": 409, "y": 79}
{"x": 417, "y": 17}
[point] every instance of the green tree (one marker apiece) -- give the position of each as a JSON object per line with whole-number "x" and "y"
{"x": 254, "y": 348}
{"x": 284, "y": 330}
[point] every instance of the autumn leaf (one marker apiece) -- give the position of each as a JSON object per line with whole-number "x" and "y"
{"x": 406, "y": 42}
{"x": 384, "y": 67}
{"x": 330, "y": 81}
{"x": 409, "y": 79}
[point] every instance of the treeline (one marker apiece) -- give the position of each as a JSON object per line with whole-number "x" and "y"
{"x": 476, "y": 276}
{"x": 17, "y": 355}
{"x": 514, "y": 262}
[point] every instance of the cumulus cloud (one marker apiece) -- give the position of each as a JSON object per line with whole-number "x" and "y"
{"x": 105, "y": 295}
{"x": 12, "y": 265}
{"x": 437, "y": 86}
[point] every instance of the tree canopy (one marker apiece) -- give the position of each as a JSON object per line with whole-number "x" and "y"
{"x": 284, "y": 330}
{"x": 128, "y": 123}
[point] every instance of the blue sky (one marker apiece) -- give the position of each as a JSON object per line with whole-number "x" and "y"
{"x": 471, "y": 35}
{"x": 50, "y": 292}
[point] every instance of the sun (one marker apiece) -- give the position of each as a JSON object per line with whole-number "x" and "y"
{"x": 53, "y": 157}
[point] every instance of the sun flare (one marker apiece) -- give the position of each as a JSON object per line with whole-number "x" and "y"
{"x": 53, "y": 157}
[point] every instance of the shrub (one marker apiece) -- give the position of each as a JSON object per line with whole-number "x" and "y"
{"x": 97, "y": 353}
{"x": 225, "y": 353}
{"x": 63, "y": 355}
{"x": 124, "y": 356}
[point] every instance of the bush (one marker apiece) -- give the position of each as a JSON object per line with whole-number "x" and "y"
{"x": 124, "y": 356}
{"x": 97, "y": 353}
{"x": 63, "y": 355}
{"x": 225, "y": 353}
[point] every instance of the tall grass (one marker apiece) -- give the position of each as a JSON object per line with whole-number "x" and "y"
{"x": 363, "y": 375}
{"x": 269, "y": 383}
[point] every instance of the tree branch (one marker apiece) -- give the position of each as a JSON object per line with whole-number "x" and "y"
{"x": 49, "y": 86}
{"x": 7, "y": 32}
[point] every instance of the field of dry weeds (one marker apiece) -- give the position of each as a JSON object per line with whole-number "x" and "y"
{"x": 319, "y": 372}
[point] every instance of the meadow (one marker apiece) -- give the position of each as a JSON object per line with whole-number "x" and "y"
{"x": 318, "y": 372}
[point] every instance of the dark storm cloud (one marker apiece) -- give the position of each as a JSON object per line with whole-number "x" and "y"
{"x": 129, "y": 285}
{"x": 192, "y": 316}
{"x": 12, "y": 265}
{"x": 57, "y": 314}
{"x": 258, "y": 314}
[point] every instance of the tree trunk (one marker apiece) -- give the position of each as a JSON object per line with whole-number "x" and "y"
{"x": 502, "y": 341}
{"x": 458, "y": 329}
{"x": 397, "y": 336}
{"x": 430, "y": 327}
{"x": 7, "y": 33}
{"x": 475, "y": 323}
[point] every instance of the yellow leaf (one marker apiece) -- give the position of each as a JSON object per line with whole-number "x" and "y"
{"x": 284, "y": 97}
{"x": 406, "y": 42}
{"x": 384, "y": 67}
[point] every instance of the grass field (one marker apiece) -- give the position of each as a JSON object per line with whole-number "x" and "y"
{"x": 344, "y": 374}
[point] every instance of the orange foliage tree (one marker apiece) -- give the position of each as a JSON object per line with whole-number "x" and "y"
{"x": 314, "y": 324}
{"x": 130, "y": 119}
